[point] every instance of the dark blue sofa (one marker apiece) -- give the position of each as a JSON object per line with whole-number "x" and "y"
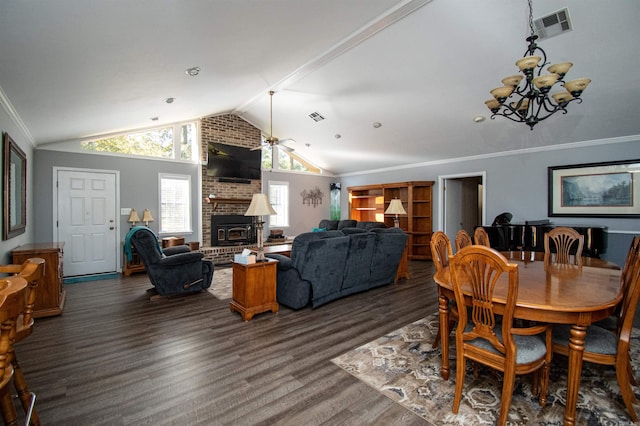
{"x": 331, "y": 225}
{"x": 328, "y": 265}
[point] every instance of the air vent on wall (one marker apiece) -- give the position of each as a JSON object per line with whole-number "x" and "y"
{"x": 553, "y": 24}
{"x": 316, "y": 116}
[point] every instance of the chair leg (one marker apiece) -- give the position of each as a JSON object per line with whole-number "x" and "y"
{"x": 625, "y": 388}
{"x": 460, "y": 367}
{"x": 9, "y": 414}
{"x": 507, "y": 390}
{"x": 27, "y": 399}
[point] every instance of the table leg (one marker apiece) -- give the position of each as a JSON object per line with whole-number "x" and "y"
{"x": 576, "y": 350}
{"x": 443, "y": 303}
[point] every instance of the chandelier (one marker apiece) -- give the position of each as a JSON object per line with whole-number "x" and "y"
{"x": 525, "y": 98}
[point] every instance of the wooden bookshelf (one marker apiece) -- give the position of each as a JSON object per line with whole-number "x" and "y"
{"x": 369, "y": 202}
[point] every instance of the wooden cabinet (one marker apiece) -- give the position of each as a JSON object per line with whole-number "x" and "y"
{"x": 254, "y": 288}
{"x": 50, "y": 295}
{"x": 370, "y": 202}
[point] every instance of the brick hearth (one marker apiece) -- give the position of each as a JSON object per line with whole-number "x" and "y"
{"x": 224, "y": 255}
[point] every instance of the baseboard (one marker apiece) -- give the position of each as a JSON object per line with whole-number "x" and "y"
{"x": 91, "y": 277}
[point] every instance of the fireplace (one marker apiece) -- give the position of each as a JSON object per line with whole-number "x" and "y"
{"x": 232, "y": 230}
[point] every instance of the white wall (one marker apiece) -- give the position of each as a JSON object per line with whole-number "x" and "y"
{"x": 7, "y": 125}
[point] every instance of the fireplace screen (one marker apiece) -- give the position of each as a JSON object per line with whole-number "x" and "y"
{"x": 229, "y": 230}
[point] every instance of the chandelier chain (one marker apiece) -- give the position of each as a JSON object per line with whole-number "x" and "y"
{"x": 531, "y": 17}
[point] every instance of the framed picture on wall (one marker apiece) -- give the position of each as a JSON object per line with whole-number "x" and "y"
{"x": 14, "y": 189}
{"x": 609, "y": 189}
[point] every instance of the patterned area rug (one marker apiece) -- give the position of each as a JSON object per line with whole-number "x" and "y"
{"x": 403, "y": 366}
{"x": 221, "y": 285}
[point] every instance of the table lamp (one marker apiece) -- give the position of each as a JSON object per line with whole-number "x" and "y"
{"x": 133, "y": 217}
{"x": 395, "y": 207}
{"x": 259, "y": 207}
{"x": 146, "y": 217}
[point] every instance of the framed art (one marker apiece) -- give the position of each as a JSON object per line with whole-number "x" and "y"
{"x": 609, "y": 189}
{"x": 14, "y": 189}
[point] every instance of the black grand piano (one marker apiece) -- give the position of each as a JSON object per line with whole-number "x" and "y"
{"x": 529, "y": 236}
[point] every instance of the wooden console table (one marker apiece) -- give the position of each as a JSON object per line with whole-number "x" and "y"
{"x": 50, "y": 295}
{"x": 254, "y": 288}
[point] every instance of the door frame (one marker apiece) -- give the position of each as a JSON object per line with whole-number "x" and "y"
{"x": 54, "y": 190}
{"x": 442, "y": 182}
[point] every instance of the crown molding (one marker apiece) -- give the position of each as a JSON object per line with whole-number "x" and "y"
{"x": 15, "y": 117}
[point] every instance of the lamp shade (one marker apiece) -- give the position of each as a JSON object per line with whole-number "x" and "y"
{"x": 395, "y": 207}
{"x": 146, "y": 216}
{"x": 259, "y": 206}
{"x": 133, "y": 216}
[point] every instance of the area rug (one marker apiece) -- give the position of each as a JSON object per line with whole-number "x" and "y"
{"x": 403, "y": 366}
{"x": 221, "y": 285}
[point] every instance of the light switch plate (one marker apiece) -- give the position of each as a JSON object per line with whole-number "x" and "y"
{"x": 125, "y": 211}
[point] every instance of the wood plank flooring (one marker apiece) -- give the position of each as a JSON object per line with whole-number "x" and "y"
{"x": 116, "y": 358}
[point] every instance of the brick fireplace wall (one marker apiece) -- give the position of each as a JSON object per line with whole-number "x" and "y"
{"x": 231, "y": 130}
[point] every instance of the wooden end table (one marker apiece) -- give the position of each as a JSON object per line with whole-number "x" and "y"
{"x": 254, "y": 288}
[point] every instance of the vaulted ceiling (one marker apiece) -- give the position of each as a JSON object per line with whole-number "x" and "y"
{"x": 71, "y": 69}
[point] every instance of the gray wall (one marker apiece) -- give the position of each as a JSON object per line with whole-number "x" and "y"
{"x": 518, "y": 184}
{"x": 302, "y": 217}
{"x": 7, "y": 125}
{"x": 139, "y": 186}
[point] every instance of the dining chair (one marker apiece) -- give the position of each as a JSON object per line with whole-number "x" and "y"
{"x": 13, "y": 297}
{"x": 601, "y": 346}
{"x": 440, "y": 252}
{"x": 463, "y": 239}
{"x": 611, "y": 323}
{"x": 32, "y": 271}
{"x": 558, "y": 244}
{"x": 481, "y": 237}
{"x": 475, "y": 271}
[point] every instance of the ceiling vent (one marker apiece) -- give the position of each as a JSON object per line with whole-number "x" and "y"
{"x": 552, "y": 25}
{"x": 316, "y": 116}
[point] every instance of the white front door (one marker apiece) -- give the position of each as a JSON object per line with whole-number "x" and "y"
{"x": 86, "y": 221}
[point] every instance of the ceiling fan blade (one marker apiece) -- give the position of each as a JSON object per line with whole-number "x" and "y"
{"x": 256, "y": 148}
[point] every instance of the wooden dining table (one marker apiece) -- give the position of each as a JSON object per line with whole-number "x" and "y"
{"x": 558, "y": 294}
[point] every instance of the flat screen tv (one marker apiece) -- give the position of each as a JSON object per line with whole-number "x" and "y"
{"x": 233, "y": 162}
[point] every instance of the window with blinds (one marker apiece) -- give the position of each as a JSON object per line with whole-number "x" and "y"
{"x": 175, "y": 203}
{"x": 279, "y": 199}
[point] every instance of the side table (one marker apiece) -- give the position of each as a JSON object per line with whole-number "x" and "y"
{"x": 254, "y": 288}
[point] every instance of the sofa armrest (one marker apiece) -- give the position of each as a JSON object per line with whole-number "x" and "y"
{"x": 170, "y": 251}
{"x": 181, "y": 259}
{"x": 284, "y": 262}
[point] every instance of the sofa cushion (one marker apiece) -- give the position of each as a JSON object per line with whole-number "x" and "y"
{"x": 358, "y": 267}
{"x": 370, "y": 225}
{"x": 347, "y": 223}
{"x": 329, "y": 225}
{"x": 389, "y": 247}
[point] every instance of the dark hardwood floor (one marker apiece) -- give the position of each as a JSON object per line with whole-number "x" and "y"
{"x": 116, "y": 358}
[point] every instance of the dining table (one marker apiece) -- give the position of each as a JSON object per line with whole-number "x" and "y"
{"x": 550, "y": 293}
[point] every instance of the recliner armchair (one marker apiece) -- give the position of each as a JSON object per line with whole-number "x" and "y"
{"x": 174, "y": 270}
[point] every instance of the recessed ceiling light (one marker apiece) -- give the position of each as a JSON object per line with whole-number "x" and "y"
{"x": 154, "y": 118}
{"x": 169, "y": 100}
{"x": 193, "y": 71}
{"x": 478, "y": 118}
{"x": 337, "y": 136}
{"x": 377, "y": 125}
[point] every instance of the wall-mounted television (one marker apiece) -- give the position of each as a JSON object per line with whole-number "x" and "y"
{"x": 233, "y": 162}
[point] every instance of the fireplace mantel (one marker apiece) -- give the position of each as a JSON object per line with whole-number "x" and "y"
{"x": 216, "y": 201}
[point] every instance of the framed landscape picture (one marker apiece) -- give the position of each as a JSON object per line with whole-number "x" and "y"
{"x": 595, "y": 190}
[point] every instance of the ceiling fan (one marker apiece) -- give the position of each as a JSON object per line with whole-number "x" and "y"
{"x": 271, "y": 140}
